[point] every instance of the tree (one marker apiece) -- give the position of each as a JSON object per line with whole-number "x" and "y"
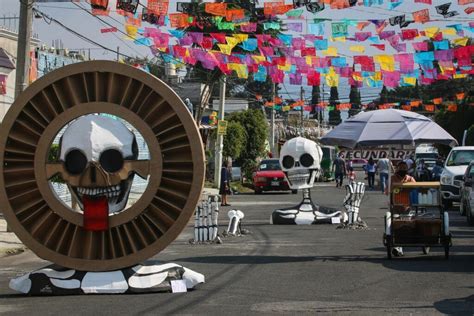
{"x": 470, "y": 136}
{"x": 384, "y": 96}
{"x": 255, "y": 126}
{"x": 354, "y": 100}
{"x": 206, "y": 23}
{"x": 334, "y": 114}
{"x": 234, "y": 140}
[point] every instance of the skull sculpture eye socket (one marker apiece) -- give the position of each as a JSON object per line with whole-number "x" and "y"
{"x": 306, "y": 160}
{"x": 288, "y": 162}
{"x": 75, "y": 162}
{"x": 111, "y": 160}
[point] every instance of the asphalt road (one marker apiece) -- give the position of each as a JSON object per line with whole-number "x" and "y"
{"x": 287, "y": 269}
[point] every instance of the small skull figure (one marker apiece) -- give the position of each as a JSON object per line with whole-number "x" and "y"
{"x": 301, "y": 162}
{"x": 98, "y": 160}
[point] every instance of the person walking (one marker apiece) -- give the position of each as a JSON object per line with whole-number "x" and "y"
{"x": 339, "y": 169}
{"x": 371, "y": 169}
{"x": 383, "y": 168}
{"x": 351, "y": 175}
{"x": 224, "y": 188}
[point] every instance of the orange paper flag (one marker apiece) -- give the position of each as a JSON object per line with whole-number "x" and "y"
{"x": 460, "y": 96}
{"x": 429, "y": 107}
{"x": 452, "y": 107}
{"x": 421, "y": 16}
{"x": 438, "y": 100}
{"x": 219, "y": 9}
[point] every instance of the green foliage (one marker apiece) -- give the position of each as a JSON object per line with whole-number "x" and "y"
{"x": 255, "y": 126}
{"x": 354, "y": 99}
{"x": 334, "y": 115}
{"x": 234, "y": 140}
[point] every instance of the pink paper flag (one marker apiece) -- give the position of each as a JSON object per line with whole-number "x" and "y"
{"x": 421, "y": 46}
{"x": 424, "y": 1}
{"x": 108, "y": 30}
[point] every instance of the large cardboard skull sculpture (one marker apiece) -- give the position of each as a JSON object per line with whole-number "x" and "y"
{"x": 300, "y": 159}
{"x": 96, "y": 152}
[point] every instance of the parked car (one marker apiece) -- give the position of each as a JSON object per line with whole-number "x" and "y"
{"x": 467, "y": 194}
{"x": 270, "y": 177}
{"x": 359, "y": 164}
{"x": 454, "y": 168}
{"x": 236, "y": 174}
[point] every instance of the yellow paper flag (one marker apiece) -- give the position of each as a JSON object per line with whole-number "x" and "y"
{"x": 461, "y": 41}
{"x": 225, "y": 49}
{"x": 449, "y": 31}
{"x": 338, "y": 39}
{"x": 331, "y": 51}
{"x": 431, "y": 31}
{"x": 332, "y": 78}
{"x": 285, "y": 67}
{"x": 241, "y": 37}
{"x": 131, "y": 30}
{"x": 409, "y": 80}
{"x": 240, "y": 69}
{"x": 231, "y": 41}
{"x": 387, "y": 62}
{"x": 357, "y": 48}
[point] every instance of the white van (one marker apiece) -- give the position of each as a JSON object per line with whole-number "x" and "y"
{"x": 426, "y": 152}
{"x": 454, "y": 168}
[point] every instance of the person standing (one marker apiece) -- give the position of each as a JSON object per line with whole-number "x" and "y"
{"x": 224, "y": 188}
{"x": 410, "y": 162}
{"x": 383, "y": 168}
{"x": 190, "y": 106}
{"x": 339, "y": 169}
{"x": 371, "y": 169}
{"x": 400, "y": 176}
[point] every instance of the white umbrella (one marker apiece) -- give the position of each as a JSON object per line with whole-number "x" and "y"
{"x": 387, "y": 127}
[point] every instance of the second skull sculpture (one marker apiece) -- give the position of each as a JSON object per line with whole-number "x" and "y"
{"x": 300, "y": 159}
{"x": 98, "y": 160}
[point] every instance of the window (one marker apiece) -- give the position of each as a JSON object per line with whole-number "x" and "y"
{"x": 460, "y": 157}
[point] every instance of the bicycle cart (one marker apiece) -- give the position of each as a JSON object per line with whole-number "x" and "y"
{"x": 416, "y": 218}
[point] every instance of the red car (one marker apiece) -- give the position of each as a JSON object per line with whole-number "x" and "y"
{"x": 270, "y": 177}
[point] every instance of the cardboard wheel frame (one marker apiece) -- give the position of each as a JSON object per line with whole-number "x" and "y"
{"x": 176, "y": 167}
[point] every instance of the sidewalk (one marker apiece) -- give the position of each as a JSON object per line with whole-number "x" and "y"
{"x": 11, "y": 245}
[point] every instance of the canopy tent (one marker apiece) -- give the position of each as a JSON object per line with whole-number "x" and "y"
{"x": 387, "y": 127}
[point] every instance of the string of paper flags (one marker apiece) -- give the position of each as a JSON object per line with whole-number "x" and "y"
{"x": 440, "y": 53}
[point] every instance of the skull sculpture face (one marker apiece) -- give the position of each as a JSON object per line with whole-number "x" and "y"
{"x": 300, "y": 159}
{"x": 96, "y": 152}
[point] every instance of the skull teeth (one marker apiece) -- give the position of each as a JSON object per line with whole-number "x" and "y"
{"x": 111, "y": 191}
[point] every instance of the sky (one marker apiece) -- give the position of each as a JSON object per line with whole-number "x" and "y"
{"x": 89, "y": 26}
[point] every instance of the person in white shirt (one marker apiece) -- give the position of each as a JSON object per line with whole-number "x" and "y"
{"x": 383, "y": 170}
{"x": 410, "y": 164}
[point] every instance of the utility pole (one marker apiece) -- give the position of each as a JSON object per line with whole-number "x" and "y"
{"x": 118, "y": 53}
{"x": 302, "y": 110}
{"x": 220, "y": 138}
{"x": 23, "y": 47}
{"x": 272, "y": 123}
{"x": 319, "y": 112}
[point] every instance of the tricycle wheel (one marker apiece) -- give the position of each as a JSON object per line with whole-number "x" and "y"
{"x": 389, "y": 251}
{"x": 426, "y": 250}
{"x": 446, "y": 251}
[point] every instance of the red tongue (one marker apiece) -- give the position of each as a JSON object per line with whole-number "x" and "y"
{"x": 96, "y": 213}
